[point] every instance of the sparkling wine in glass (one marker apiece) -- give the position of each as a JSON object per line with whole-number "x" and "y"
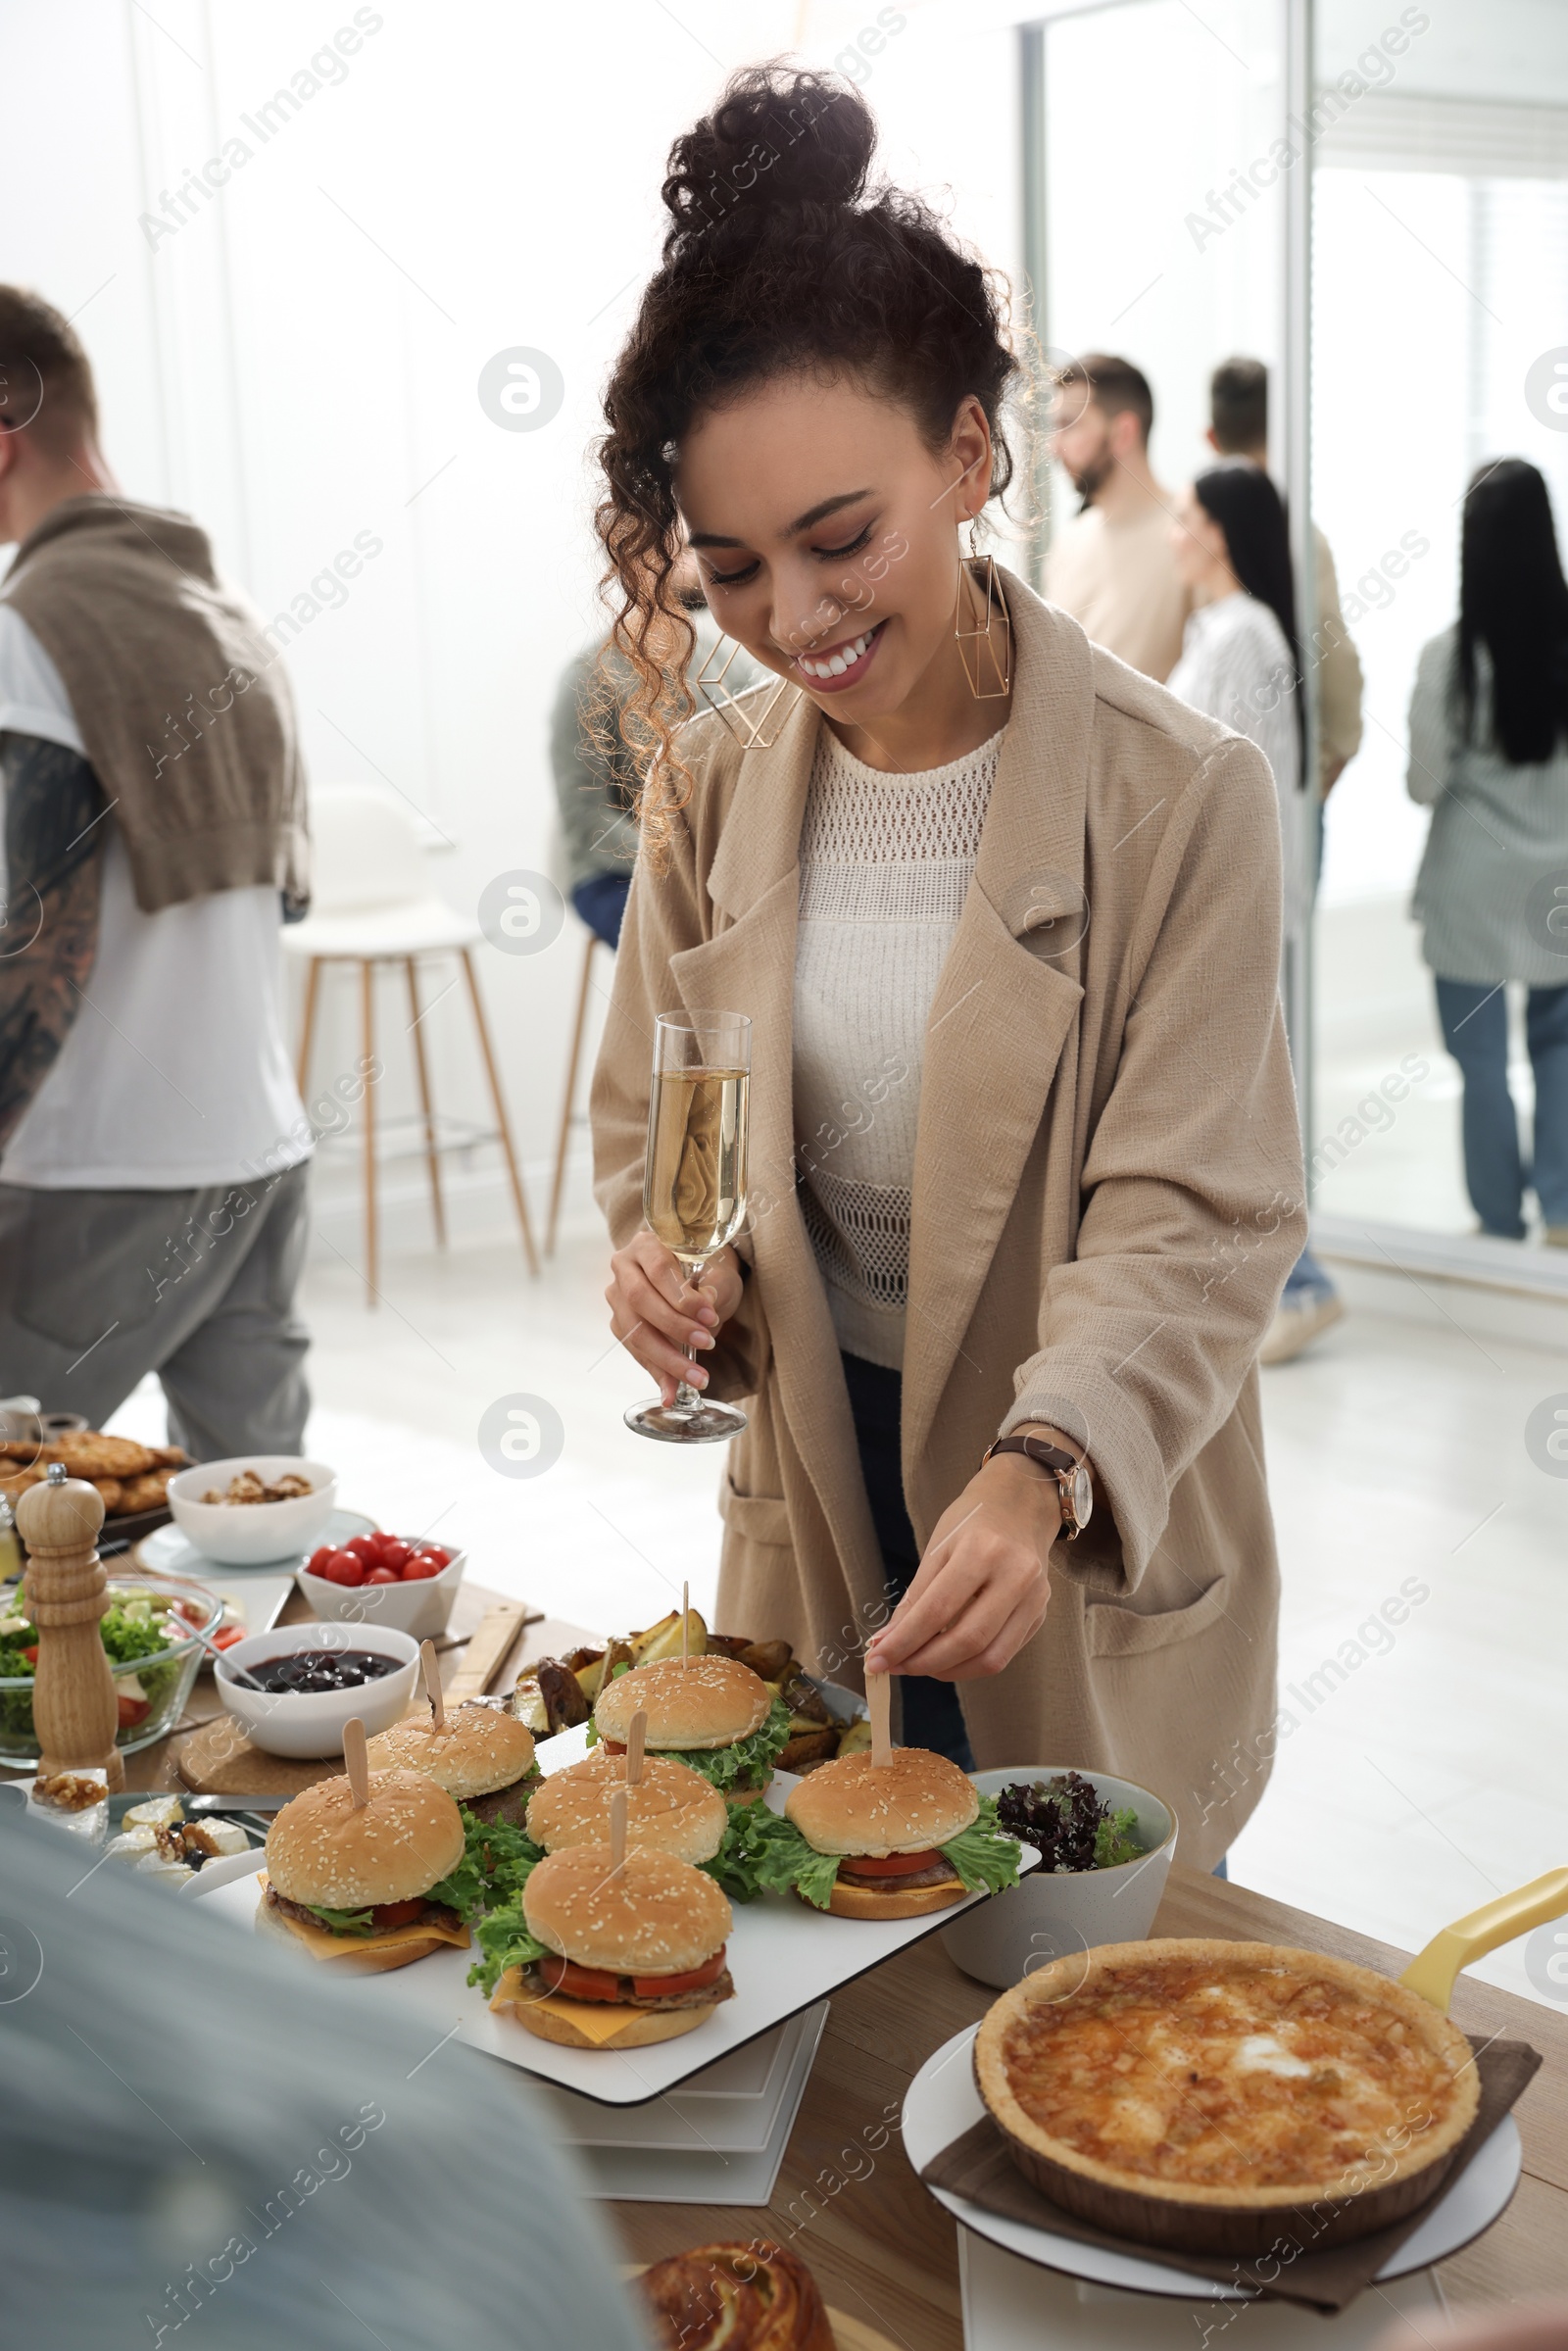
{"x": 694, "y": 1181}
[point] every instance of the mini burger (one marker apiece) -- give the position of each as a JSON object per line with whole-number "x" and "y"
{"x": 671, "y": 1810}
{"x": 713, "y": 1714}
{"x": 888, "y": 1841}
{"x": 484, "y": 1758}
{"x": 615, "y": 1958}
{"x": 365, "y": 1885}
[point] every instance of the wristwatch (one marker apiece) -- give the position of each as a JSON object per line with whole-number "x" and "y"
{"x": 1073, "y": 1482}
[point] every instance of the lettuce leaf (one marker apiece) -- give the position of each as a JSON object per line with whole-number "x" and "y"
{"x": 984, "y": 1858}
{"x": 1117, "y": 1840}
{"x": 734, "y": 1865}
{"x": 505, "y": 1940}
{"x": 496, "y": 1861}
{"x": 779, "y": 1857}
{"x": 341, "y": 1922}
{"x": 749, "y": 1759}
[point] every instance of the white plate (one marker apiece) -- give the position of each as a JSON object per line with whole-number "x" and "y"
{"x": 168, "y": 1551}
{"x": 943, "y": 2103}
{"x": 784, "y": 1956}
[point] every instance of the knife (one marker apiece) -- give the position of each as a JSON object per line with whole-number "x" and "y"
{"x": 195, "y": 1806}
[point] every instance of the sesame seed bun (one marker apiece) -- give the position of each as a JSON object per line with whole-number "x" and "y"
{"x": 654, "y": 1916}
{"x": 711, "y": 1702}
{"x": 321, "y": 1853}
{"x": 853, "y": 1805}
{"x": 671, "y": 1810}
{"x": 477, "y": 1749}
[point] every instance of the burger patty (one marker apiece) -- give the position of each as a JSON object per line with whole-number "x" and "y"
{"x": 509, "y": 1805}
{"x": 722, "y": 1987}
{"x": 939, "y": 1873}
{"x": 434, "y": 1914}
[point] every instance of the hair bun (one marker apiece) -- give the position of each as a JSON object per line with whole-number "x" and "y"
{"x": 775, "y": 138}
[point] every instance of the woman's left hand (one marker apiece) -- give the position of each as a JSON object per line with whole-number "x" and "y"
{"x": 981, "y": 1590}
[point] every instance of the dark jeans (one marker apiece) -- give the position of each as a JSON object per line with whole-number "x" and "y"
{"x": 1475, "y": 1030}
{"x": 932, "y": 1715}
{"x": 601, "y": 901}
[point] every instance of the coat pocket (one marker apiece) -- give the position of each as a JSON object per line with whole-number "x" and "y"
{"x": 1112, "y": 1631}
{"x": 755, "y": 1517}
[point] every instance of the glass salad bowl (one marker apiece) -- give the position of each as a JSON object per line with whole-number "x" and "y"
{"x": 150, "y": 1636}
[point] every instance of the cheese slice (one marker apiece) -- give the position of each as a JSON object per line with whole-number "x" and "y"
{"x": 598, "y": 2021}
{"x": 323, "y": 1944}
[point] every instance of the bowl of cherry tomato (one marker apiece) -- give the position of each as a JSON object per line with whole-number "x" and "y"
{"x": 403, "y": 1581}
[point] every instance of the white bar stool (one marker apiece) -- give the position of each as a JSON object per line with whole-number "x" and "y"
{"x": 371, "y": 904}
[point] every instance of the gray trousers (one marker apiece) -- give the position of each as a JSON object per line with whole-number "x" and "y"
{"x": 99, "y": 1288}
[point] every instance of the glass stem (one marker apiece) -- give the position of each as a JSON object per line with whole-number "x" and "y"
{"x": 687, "y": 1397}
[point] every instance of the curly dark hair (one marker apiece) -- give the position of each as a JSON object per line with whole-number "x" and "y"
{"x": 779, "y": 257}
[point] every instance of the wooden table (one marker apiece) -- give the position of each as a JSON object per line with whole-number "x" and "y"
{"x": 885, "y": 2252}
{"x": 846, "y": 2201}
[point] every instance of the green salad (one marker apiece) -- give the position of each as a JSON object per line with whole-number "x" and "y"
{"x": 139, "y": 1630}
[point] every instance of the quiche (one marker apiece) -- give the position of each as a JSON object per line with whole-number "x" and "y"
{"x": 1210, "y": 2096}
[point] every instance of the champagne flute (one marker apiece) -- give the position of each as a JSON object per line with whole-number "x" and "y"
{"x": 694, "y": 1182}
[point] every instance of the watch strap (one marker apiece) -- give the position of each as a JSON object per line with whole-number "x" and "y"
{"x": 1063, "y": 1466}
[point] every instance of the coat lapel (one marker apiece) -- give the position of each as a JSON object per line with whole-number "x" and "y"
{"x": 1004, "y": 1008}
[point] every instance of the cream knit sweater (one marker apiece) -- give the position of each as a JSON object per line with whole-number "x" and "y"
{"x": 886, "y": 861}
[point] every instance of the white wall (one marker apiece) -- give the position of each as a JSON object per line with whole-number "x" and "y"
{"x": 297, "y": 361}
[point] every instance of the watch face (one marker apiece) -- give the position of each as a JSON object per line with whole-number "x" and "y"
{"x": 1083, "y": 1496}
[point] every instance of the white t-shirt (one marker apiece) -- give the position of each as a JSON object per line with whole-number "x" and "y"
{"x": 173, "y": 1072}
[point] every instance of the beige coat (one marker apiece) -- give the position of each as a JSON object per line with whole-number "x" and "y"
{"x": 1107, "y": 1200}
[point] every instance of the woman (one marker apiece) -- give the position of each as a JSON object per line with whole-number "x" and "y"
{"x": 1005, "y": 918}
{"x": 1488, "y": 755}
{"x": 1241, "y": 663}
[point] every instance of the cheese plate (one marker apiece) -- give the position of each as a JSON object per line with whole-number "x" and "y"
{"x": 784, "y": 1957}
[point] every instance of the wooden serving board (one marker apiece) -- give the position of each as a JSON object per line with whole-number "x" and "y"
{"x": 220, "y": 1760}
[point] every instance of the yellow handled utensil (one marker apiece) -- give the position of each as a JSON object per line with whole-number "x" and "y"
{"x": 1433, "y": 1971}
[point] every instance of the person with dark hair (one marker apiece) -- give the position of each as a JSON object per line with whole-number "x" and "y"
{"x": 1238, "y": 426}
{"x": 1241, "y": 663}
{"x": 1489, "y": 757}
{"x": 152, "y": 1204}
{"x": 1005, "y": 915}
{"x": 1110, "y": 565}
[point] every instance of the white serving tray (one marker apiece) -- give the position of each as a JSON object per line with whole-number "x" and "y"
{"x": 943, "y": 2102}
{"x": 1014, "y": 2305}
{"x": 784, "y": 1956}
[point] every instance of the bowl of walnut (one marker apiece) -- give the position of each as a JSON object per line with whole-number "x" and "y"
{"x": 255, "y": 1509}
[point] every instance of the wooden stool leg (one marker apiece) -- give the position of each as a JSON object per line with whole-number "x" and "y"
{"x": 570, "y": 1096}
{"x": 431, "y": 1159}
{"x": 367, "y": 1017}
{"x": 313, "y": 981}
{"x": 529, "y": 1251}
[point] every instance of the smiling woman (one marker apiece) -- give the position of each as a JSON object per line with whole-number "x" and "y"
{"x": 1005, "y": 917}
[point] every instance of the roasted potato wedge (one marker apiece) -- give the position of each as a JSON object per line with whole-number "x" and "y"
{"x": 565, "y": 1703}
{"x": 666, "y": 1639}
{"x": 811, "y": 1746}
{"x": 768, "y": 1659}
{"x": 804, "y": 1699}
{"x": 728, "y": 1645}
{"x": 856, "y": 1739}
{"x": 528, "y": 1704}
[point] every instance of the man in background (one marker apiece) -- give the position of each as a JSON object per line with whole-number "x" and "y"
{"x": 1237, "y": 403}
{"x": 152, "y": 1181}
{"x": 1238, "y": 426}
{"x": 1112, "y": 566}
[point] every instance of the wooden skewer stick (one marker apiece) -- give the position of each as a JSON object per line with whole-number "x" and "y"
{"x": 432, "y": 1684}
{"x": 878, "y": 1694}
{"x": 617, "y": 1827}
{"x": 685, "y": 1624}
{"x": 635, "y": 1738}
{"x": 356, "y": 1762}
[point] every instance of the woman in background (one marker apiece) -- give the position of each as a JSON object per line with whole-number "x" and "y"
{"x": 1488, "y": 755}
{"x": 1241, "y": 663}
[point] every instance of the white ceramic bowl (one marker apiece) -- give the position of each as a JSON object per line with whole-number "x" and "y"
{"x": 1050, "y": 1913}
{"x": 306, "y": 1722}
{"x": 250, "y": 1534}
{"x": 422, "y": 1609}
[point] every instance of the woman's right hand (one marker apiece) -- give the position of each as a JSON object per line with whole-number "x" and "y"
{"x": 655, "y": 1314}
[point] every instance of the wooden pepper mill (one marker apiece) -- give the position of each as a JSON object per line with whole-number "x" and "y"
{"x": 75, "y": 1709}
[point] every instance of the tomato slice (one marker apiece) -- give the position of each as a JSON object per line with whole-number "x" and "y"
{"x": 696, "y": 1979}
{"x": 398, "y": 1912}
{"x": 576, "y": 1982}
{"x": 134, "y": 1711}
{"x": 614, "y": 1746}
{"x": 891, "y": 1865}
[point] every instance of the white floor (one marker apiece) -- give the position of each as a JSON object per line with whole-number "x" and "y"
{"x": 1431, "y": 1777}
